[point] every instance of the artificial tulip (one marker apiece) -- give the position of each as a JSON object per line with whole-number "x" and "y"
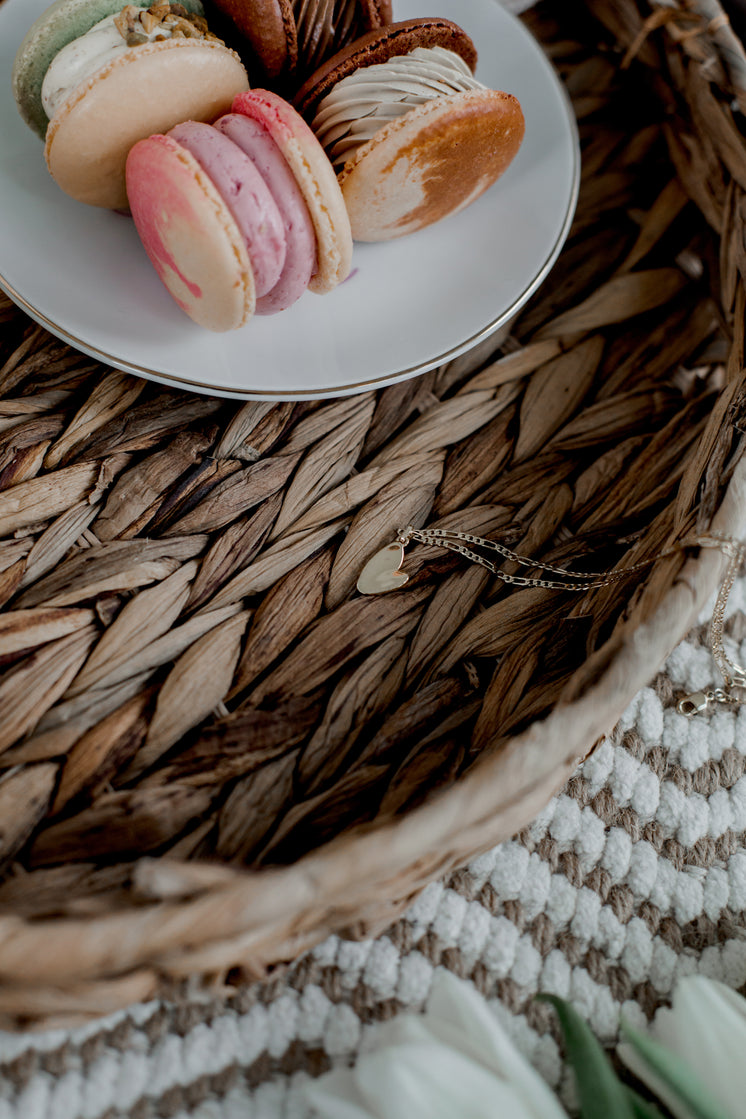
{"x": 453, "y": 1060}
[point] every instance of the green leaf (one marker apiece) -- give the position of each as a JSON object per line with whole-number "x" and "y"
{"x": 601, "y": 1094}
{"x": 674, "y": 1074}
{"x": 643, "y": 1109}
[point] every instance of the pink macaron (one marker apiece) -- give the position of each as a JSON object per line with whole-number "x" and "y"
{"x": 240, "y": 217}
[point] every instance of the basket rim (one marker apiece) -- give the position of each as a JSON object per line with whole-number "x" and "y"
{"x": 237, "y": 909}
{"x": 194, "y": 919}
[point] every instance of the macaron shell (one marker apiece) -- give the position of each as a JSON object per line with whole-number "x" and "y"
{"x": 269, "y": 26}
{"x": 57, "y": 26}
{"x": 315, "y": 177}
{"x": 432, "y": 162}
{"x": 148, "y": 89}
{"x": 379, "y": 45}
{"x": 189, "y": 235}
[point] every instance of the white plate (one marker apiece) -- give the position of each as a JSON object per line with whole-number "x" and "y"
{"x": 409, "y": 304}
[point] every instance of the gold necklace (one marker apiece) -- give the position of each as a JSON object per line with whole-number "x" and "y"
{"x": 383, "y": 573}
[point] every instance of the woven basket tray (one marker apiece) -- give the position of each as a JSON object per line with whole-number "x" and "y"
{"x": 215, "y": 752}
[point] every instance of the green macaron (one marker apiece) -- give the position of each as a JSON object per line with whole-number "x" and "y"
{"x": 64, "y": 21}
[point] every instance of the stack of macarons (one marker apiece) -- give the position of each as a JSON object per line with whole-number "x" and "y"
{"x": 240, "y": 217}
{"x": 92, "y": 77}
{"x": 242, "y": 200}
{"x": 291, "y": 38}
{"x": 412, "y": 134}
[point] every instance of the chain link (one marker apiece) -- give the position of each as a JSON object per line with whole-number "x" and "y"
{"x": 734, "y": 674}
{"x": 585, "y": 580}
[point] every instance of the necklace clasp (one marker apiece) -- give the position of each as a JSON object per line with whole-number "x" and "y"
{"x": 693, "y": 704}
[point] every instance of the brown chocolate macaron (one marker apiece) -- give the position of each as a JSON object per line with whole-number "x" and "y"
{"x": 412, "y": 134}
{"x": 291, "y": 38}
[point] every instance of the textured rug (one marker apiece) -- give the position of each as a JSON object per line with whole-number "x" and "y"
{"x": 633, "y": 876}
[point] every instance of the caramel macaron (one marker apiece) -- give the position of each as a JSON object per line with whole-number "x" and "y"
{"x": 411, "y": 132}
{"x": 292, "y": 38}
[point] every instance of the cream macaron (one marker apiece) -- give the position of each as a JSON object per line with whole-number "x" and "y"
{"x": 92, "y": 77}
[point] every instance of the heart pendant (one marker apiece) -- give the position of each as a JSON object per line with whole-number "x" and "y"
{"x": 381, "y": 572}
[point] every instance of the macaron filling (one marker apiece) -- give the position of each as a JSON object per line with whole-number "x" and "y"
{"x": 110, "y": 38}
{"x": 300, "y": 237}
{"x": 246, "y": 195}
{"x": 253, "y": 178}
{"x": 325, "y": 26}
{"x": 363, "y": 102}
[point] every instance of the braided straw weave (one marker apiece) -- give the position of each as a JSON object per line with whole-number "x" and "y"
{"x": 214, "y": 751}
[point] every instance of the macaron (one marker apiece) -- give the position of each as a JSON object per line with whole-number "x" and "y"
{"x": 92, "y": 77}
{"x": 411, "y": 132}
{"x": 291, "y": 38}
{"x": 240, "y": 217}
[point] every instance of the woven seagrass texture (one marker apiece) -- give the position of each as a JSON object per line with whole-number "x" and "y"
{"x": 630, "y": 878}
{"x": 214, "y": 751}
